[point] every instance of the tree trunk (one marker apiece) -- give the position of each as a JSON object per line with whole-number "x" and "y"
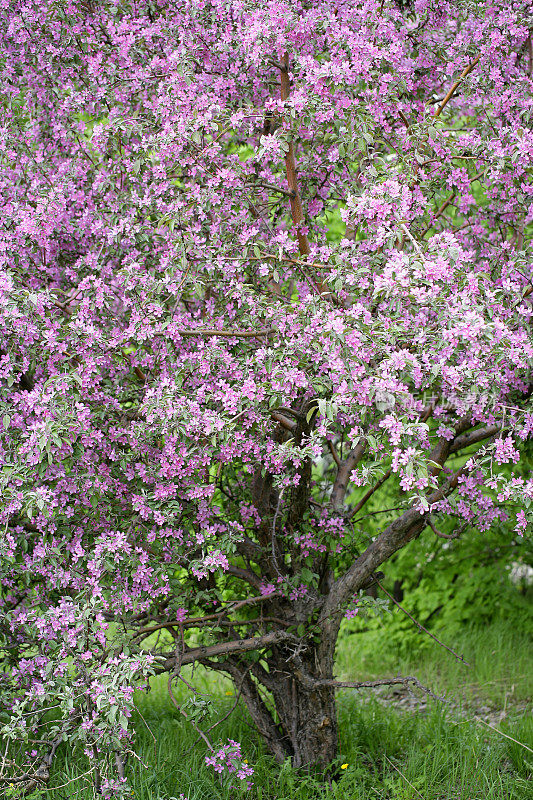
{"x": 309, "y": 722}
{"x": 297, "y": 719}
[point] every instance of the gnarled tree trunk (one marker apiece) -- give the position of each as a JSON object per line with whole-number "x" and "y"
{"x": 291, "y": 708}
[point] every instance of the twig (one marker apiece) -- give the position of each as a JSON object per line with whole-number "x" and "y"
{"x": 423, "y": 418}
{"x": 4, "y": 758}
{"x": 175, "y": 673}
{"x": 478, "y": 719}
{"x": 376, "y": 513}
{"x": 369, "y": 494}
{"x": 149, "y": 730}
{"x": 225, "y": 717}
{"x": 421, "y": 627}
{"x": 447, "y": 202}
{"x": 449, "y": 95}
{"x": 403, "y": 776}
{"x": 184, "y": 713}
{"x": 442, "y": 535}
{"x": 334, "y": 453}
{"x": 201, "y": 622}
{"x": 381, "y": 682}
{"x": 291, "y": 193}
{"x": 62, "y": 785}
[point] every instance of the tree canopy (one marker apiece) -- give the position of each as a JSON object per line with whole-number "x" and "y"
{"x": 258, "y": 260}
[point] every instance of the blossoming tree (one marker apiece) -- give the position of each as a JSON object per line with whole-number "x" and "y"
{"x": 259, "y": 259}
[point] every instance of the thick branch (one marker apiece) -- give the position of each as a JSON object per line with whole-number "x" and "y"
{"x": 245, "y": 575}
{"x": 250, "y": 549}
{"x": 395, "y": 536}
{"x": 473, "y": 437}
{"x": 450, "y": 93}
{"x": 288, "y": 424}
{"x": 290, "y": 166}
{"x": 237, "y": 646}
{"x": 338, "y": 493}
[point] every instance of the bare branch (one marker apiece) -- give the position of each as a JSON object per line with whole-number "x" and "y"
{"x": 446, "y": 203}
{"x": 334, "y": 453}
{"x": 381, "y": 682}
{"x": 369, "y": 494}
{"x": 228, "y": 334}
{"x": 237, "y": 646}
{"x": 441, "y": 535}
{"x": 291, "y": 193}
{"x": 421, "y": 627}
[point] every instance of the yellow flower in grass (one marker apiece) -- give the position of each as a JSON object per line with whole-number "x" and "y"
{"x": 344, "y": 766}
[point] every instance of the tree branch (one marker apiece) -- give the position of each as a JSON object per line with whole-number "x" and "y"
{"x": 200, "y": 654}
{"x": 290, "y": 166}
{"x": 421, "y": 627}
{"x": 246, "y": 575}
{"x": 473, "y": 437}
{"x": 288, "y": 424}
{"x": 338, "y": 492}
{"x": 380, "y": 682}
{"x": 369, "y": 494}
{"x": 450, "y": 93}
{"x": 395, "y": 536}
{"x": 226, "y": 333}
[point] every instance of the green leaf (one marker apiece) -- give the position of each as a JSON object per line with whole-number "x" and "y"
{"x": 307, "y": 575}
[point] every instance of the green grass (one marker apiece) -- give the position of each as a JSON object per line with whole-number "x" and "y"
{"x": 438, "y": 753}
{"x": 499, "y": 656}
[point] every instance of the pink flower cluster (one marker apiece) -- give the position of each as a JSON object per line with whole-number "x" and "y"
{"x": 228, "y": 759}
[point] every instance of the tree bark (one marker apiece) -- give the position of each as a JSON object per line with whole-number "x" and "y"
{"x": 297, "y": 719}
{"x": 308, "y": 717}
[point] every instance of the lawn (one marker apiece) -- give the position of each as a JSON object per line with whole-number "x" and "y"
{"x": 394, "y": 745}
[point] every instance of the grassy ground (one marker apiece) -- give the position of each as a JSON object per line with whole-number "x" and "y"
{"x": 499, "y": 672}
{"x": 389, "y": 751}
